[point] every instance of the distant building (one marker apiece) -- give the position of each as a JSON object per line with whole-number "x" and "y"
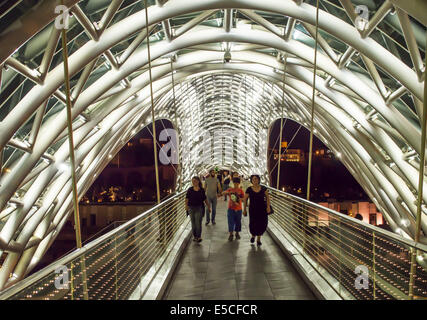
{"x": 291, "y": 155}
{"x": 366, "y": 209}
{"x": 323, "y": 154}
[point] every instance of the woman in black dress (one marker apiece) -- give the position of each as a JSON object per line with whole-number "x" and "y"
{"x": 259, "y": 208}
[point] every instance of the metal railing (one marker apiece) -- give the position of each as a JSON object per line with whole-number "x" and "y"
{"x": 114, "y": 265}
{"x": 368, "y": 262}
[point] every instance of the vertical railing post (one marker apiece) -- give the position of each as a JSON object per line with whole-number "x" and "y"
{"x": 313, "y": 104}
{"x": 281, "y": 123}
{"x": 1, "y": 150}
{"x": 373, "y": 266}
{"x": 177, "y": 128}
{"x": 318, "y": 240}
{"x": 340, "y": 255}
{"x": 304, "y": 224}
{"x": 153, "y": 119}
{"x": 72, "y": 157}
{"x": 413, "y": 269}
{"x": 116, "y": 284}
{"x": 72, "y": 280}
{"x": 412, "y": 273}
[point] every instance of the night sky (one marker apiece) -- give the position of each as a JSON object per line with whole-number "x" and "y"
{"x": 302, "y": 138}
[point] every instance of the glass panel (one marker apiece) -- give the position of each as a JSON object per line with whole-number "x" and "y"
{"x": 53, "y": 107}
{"x": 334, "y": 8}
{"x": 17, "y": 88}
{"x": 23, "y": 132}
{"x": 11, "y": 155}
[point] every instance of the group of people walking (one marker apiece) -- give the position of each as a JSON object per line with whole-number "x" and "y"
{"x": 203, "y": 201}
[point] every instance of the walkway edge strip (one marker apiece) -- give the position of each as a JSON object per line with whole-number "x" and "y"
{"x": 313, "y": 278}
{"x": 160, "y": 282}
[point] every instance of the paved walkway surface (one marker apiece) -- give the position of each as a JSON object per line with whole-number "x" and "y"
{"x": 218, "y": 269}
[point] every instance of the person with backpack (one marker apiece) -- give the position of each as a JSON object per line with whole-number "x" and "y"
{"x": 234, "y": 212}
{"x": 259, "y": 208}
{"x": 195, "y": 200}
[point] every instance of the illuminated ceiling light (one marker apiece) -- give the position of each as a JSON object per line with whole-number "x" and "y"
{"x": 243, "y": 25}
{"x": 12, "y": 204}
{"x": 413, "y": 157}
{"x": 81, "y": 118}
{"x": 62, "y": 167}
{"x": 133, "y": 97}
{"x": 296, "y": 35}
{"x": 26, "y": 143}
{"x": 405, "y": 222}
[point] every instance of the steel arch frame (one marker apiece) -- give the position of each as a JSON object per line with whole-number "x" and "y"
{"x": 389, "y": 188}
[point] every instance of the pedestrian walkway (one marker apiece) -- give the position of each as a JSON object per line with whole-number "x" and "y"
{"x": 218, "y": 269}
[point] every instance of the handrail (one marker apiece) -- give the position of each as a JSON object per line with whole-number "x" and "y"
{"x": 376, "y": 229}
{"x": 338, "y": 247}
{"x": 12, "y": 290}
{"x": 111, "y": 226}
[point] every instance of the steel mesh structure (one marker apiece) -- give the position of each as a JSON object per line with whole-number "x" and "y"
{"x": 369, "y": 97}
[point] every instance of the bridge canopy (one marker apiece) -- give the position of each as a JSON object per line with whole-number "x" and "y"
{"x": 224, "y": 69}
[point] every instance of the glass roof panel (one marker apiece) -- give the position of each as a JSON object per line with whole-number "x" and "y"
{"x": 12, "y": 98}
